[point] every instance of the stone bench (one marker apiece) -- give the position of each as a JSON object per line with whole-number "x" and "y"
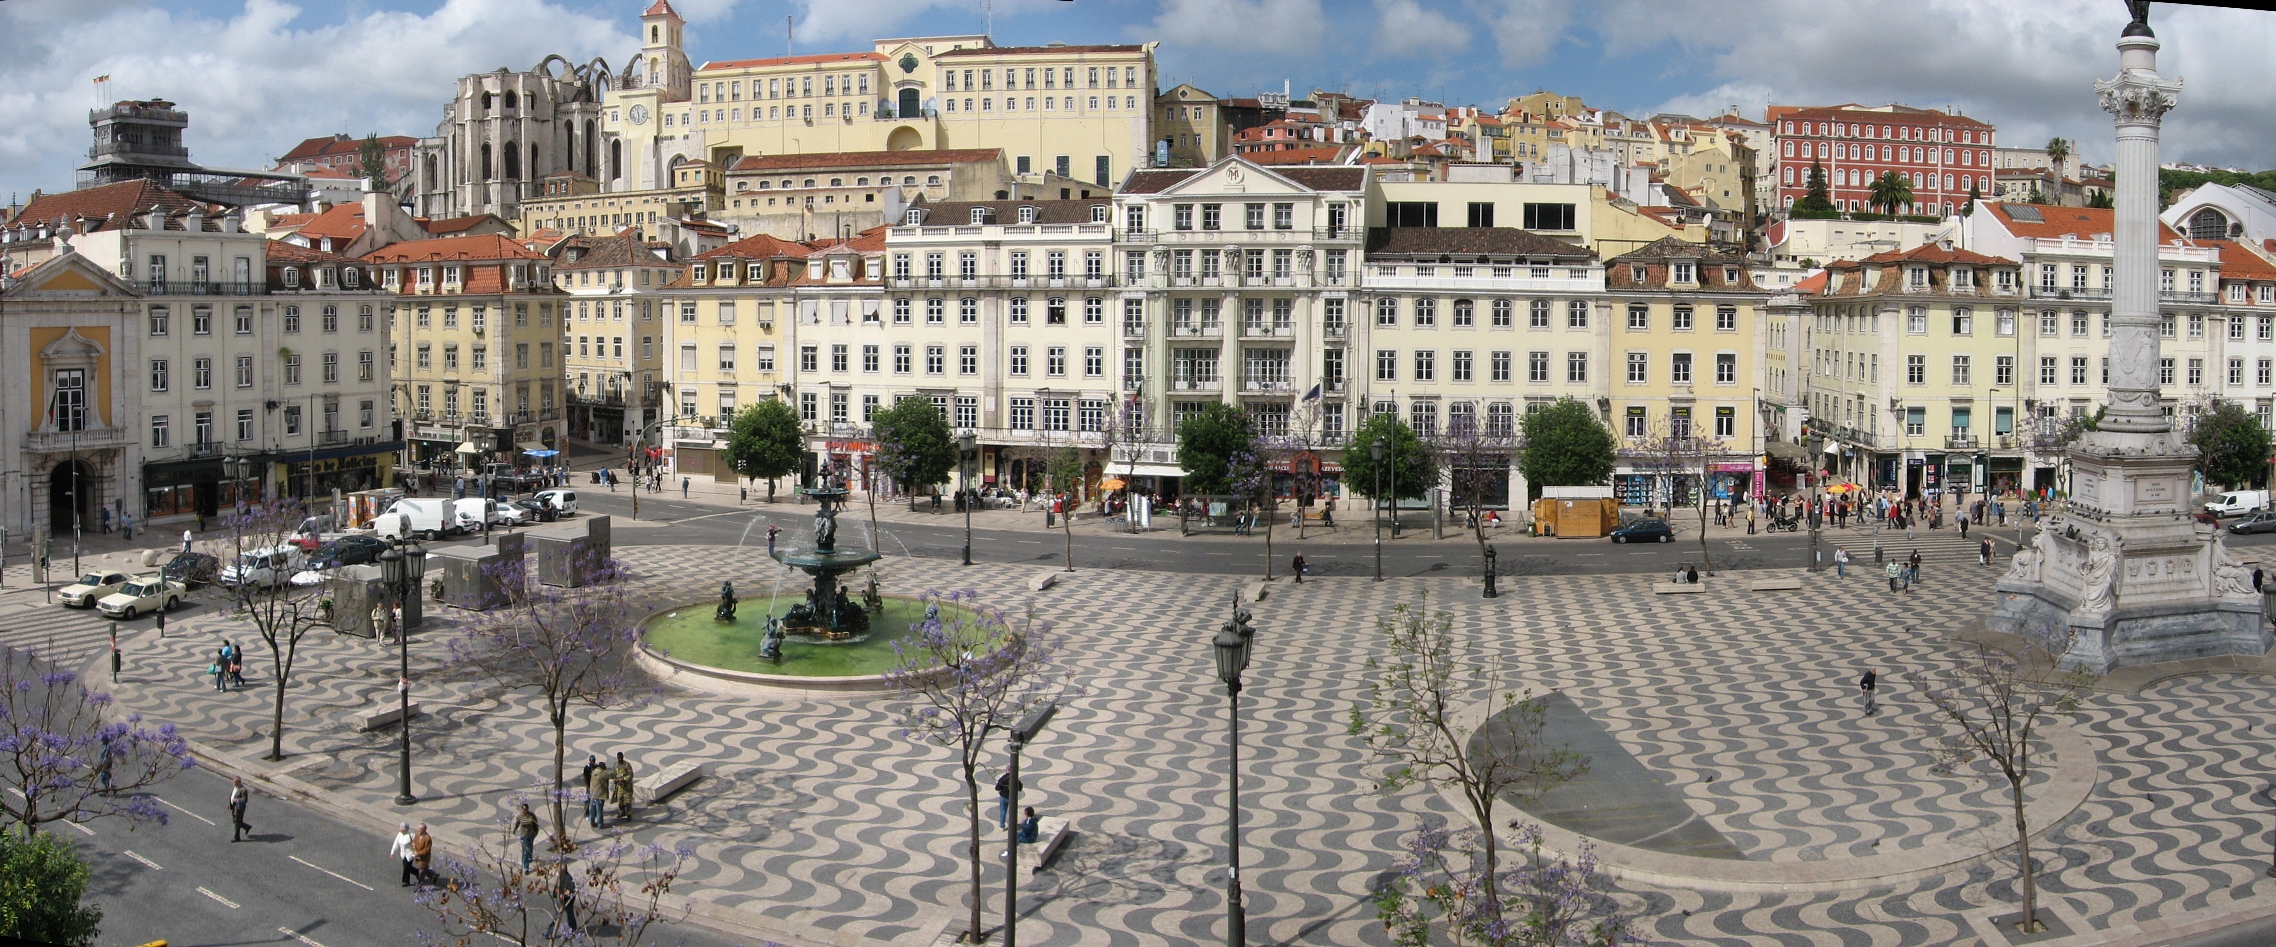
{"x": 1678, "y": 588}
{"x": 1050, "y": 834}
{"x": 1775, "y": 585}
{"x": 382, "y": 715}
{"x": 1042, "y": 580}
{"x": 660, "y": 785}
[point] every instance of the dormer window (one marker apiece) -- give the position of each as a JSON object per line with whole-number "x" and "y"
{"x": 350, "y": 277}
{"x": 1098, "y": 213}
{"x": 754, "y": 272}
{"x": 1731, "y": 275}
{"x": 699, "y": 272}
{"x": 1684, "y": 272}
{"x": 1963, "y": 278}
{"x": 914, "y": 217}
{"x": 814, "y": 269}
{"x": 292, "y": 277}
{"x": 1636, "y": 272}
{"x": 1027, "y": 214}
{"x": 979, "y": 215}
{"x": 450, "y": 274}
{"x": 1916, "y": 277}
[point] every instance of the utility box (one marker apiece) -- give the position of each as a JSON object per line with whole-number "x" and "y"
{"x": 1576, "y": 512}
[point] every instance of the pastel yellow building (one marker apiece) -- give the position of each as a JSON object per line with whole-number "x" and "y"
{"x": 1685, "y": 358}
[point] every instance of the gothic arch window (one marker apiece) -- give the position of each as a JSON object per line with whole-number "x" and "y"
{"x": 616, "y": 158}
{"x": 590, "y": 150}
{"x": 569, "y": 148}
{"x": 2208, "y": 224}
{"x": 511, "y": 100}
{"x": 513, "y": 155}
{"x": 434, "y": 177}
{"x": 486, "y": 161}
{"x": 535, "y": 169}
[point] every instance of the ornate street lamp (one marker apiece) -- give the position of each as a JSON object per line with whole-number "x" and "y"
{"x": 967, "y": 446}
{"x": 1490, "y": 592}
{"x": 1233, "y": 643}
{"x": 1022, "y": 733}
{"x": 401, "y": 567}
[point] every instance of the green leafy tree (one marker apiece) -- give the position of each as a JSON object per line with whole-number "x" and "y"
{"x": 371, "y": 162}
{"x": 2058, "y": 151}
{"x": 1891, "y": 191}
{"x": 1403, "y": 453}
{"x": 1565, "y": 446}
{"x": 41, "y": 882}
{"x": 2232, "y": 447}
{"x": 1207, "y": 444}
{"x": 2099, "y": 198}
{"x": 1975, "y": 196}
{"x": 914, "y": 445}
{"x": 1816, "y": 198}
{"x": 2036, "y": 196}
{"x": 764, "y": 441}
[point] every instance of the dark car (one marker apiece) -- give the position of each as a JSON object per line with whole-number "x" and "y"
{"x": 347, "y": 551}
{"x": 192, "y": 569}
{"x": 1644, "y": 531}
{"x": 536, "y": 510}
{"x": 2261, "y": 522}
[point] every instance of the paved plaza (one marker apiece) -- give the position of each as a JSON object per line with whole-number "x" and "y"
{"x": 1802, "y": 821}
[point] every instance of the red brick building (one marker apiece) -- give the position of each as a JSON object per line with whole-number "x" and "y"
{"x": 1942, "y": 154}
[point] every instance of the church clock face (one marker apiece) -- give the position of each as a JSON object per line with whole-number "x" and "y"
{"x": 639, "y": 115}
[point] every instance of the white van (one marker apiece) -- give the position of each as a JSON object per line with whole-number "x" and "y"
{"x": 2238, "y": 503}
{"x": 563, "y": 502}
{"x": 428, "y": 517}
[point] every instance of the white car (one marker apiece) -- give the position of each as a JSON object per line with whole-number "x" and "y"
{"x": 91, "y": 588}
{"x": 262, "y": 567}
{"x": 148, "y": 593}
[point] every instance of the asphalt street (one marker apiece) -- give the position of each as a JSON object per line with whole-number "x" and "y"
{"x": 302, "y": 879}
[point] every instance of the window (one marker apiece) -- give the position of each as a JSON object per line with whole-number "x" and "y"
{"x": 1679, "y": 368}
{"x": 1253, "y": 216}
{"x": 1963, "y": 323}
{"x": 160, "y": 433}
{"x": 1426, "y": 365}
{"x": 201, "y": 320}
{"x": 2236, "y": 371}
{"x": 1386, "y": 365}
{"x": 1576, "y": 367}
{"x": 1636, "y": 423}
{"x": 2078, "y": 370}
{"x": 1726, "y": 319}
{"x": 245, "y": 419}
{"x": 1498, "y": 366}
{"x": 1410, "y": 214}
{"x": 1387, "y": 313}
{"x": 1639, "y": 368}
{"x": 1726, "y": 368}
{"x": 1576, "y": 314}
{"x": 160, "y": 377}
{"x": 2003, "y": 370}
{"x": 291, "y": 367}
{"x": 2050, "y": 369}
{"x": 1680, "y": 318}
{"x": 1916, "y": 422}
{"x": 1639, "y": 317}
{"x": 1916, "y": 369}
{"x": 1726, "y": 422}
{"x": 1502, "y": 313}
{"x": 331, "y": 365}
{"x": 1094, "y": 362}
{"x": 1211, "y": 216}
{"x": 1960, "y": 369}
{"x": 1537, "y": 366}
{"x": 1426, "y": 313}
{"x": 840, "y": 358}
{"x": 1545, "y": 217}
{"x": 159, "y": 321}
{"x": 2196, "y": 372}
{"x": 1018, "y": 360}
{"x": 292, "y": 318}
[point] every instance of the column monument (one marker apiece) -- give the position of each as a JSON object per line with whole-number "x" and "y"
{"x": 2126, "y": 576}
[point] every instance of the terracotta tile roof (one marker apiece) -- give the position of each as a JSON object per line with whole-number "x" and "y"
{"x": 1327, "y": 179}
{"x": 1815, "y": 284}
{"x": 1026, "y": 50}
{"x": 2056, "y": 221}
{"x": 759, "y": 247}
{"x": 2238, "y": 262}
{"x": 341, "y": 222}
{"x": 1322, "y": 155}
{"x": 870, "y": 159}
{"x": 622, "y": 250}
{"x": 1478, "y": 241}
{"x": 1937, "y": 255}
{"x": 487, "y": 246}
{"x": 106, "y": 207}
{"x": 1852, "y": 111}
{"x": 1007, "y": 212}
{"x": 451, "y": 225}
{"x": 288, "y": 222}
{"x": 1620, "y": 271}
{"x": 818, "y": 59}
{"x": 660, "y": 8}
{"x": 282, "y": 252}
{"x": 1156, "y": 181}
{"x": 340, "y": 145}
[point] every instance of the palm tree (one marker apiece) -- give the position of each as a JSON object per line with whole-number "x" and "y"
{"x": 2058, "y": 151}
{"x": 1891, "y": 191}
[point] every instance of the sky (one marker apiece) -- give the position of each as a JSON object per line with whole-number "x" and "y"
{"x": 257, "y": 76}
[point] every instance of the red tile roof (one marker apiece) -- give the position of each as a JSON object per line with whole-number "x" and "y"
{"x": 1815, "y": 284}
{"x": 818, "y": 59}
{"x": 2239, "y": 262}
{"x": 869, "y": 159}
{"x": 340, "y": 145}
{"x": 341, "y": 222}
{"x": 282, "y": 252}
{"x": 661, "y": 8}
{"x": 1939, "y": 255}
{"x": 487, "y": 246}
{"x": 2081, "y": 222}
{"x": 106, "y": 206}
{"x": 451, "y": 225}
{"x": 757, "y": 247}
{"x": 1321, "y": 155}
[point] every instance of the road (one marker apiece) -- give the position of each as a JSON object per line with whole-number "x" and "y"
{"x": 302, "y": 878}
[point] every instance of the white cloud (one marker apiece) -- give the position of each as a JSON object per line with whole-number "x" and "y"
{"x": 704, "y": 11}
{"x": 2027, "y": 68}
{"x": 1252, "y": 27}
{"x": 255, "y": 83}
{"x": 1526, "y": 31}
{"x": 1404, "y": 28}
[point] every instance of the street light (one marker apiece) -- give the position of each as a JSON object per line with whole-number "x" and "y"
{"x": 1234, "y": 640}
{"x": 1490, "y": 592}
{"x": 1023, "y": 731}
{"x": 1375, "y": 453}
{"x": 967, "y": 444}
{"x": 401, "y": 567}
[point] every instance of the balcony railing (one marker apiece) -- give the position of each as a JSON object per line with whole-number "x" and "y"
{"x": 1959, "y": 441}
{"x": 1268, "y": 385}
{"x": 1590, "y": 284}
{"x": 332, "y": 438}
{"x": 1205, "y": 331}
{"x": 1134, "y": 330}
{"x": 1261, "y": 331}
{"x": 93, "y": 438}
{"x": 1001, "y": 282}
{"x": 1194, "y": 384}
{"x": 1225, "y": 236}
{"x": 203, "y": 288}
{"x": 2057, "y": 292}
{"x": 1335, "y": 330}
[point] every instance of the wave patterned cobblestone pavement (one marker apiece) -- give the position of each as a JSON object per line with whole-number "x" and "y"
{"x": 819, "y": 812}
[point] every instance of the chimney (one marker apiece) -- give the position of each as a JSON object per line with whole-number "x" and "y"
{"x": 233, "y": 221}
{"x": 194, "y": 221}
{"x": 155, "y": 219}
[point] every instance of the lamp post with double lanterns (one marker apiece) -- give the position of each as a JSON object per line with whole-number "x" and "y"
{"x": 1022, "y": 733}
{"x": 401, "y": 566}
{"x": 967, "y": 445}
{"x": 1234, "y": 641}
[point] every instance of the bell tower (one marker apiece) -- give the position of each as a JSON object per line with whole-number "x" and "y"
{"x": 660, "y": 45}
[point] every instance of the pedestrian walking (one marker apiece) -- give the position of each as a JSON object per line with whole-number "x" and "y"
{"x": 126, "y": 525}
{"x": 104, "y": 517}
{"x": 185, "y": 540}
{"x": 565, "y": 895}
{"x": 401, "y": 852}
{"x": 237, "y": 668}
{"x": 1005, "y": 784}
{"x": 525, "y": 827}
{"x": 1984, "y": 552}
{"x": 772, "y": 529}
{"x": 1963, "y": 521}
{"x": 596, "y": 792}
{"x": 2256, "y": 578}
{"x": 1913, "y": 562}
{"x": 684, "y": 481}
{"x": 239, "y": 798}
{"x": 423, "y": 855}
{"x": 1750, "y": 521}
{"x": 221, "y": 667}
{"x": 1895, "y": 571}
{"x": 1840, "y": 562}
{"x": 1297, "y": 567}
{"x": 1328, "y": 513}
{"x": 1866, "y": 686}
{"x": 620, "y": 787}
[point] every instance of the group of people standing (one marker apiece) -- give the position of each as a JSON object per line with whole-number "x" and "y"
{"x": 603, "y": 785}
{"x": 228, "y": 668}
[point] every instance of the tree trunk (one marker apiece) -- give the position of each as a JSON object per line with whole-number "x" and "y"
{"x": 1706, "y": 559}
{"x": 1489, "y": 852}
{"x": 973, "y": 934}
{"x": 2023, "y": 849}
{"x": 276, "y": 720}
{"x": 1067, "y": 528}
{"x": 553, "y": 802}
{"x": 1268, "y": 518}
{"x": 770, "y": 489}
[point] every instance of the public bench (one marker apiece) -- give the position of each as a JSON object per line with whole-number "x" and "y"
{"x": 1678, "y": 588}
{"x": 390, "y": 712}
{"x": 1785, "y": 584}
{"x": 660, "y": 785}
{"x": 1050, "y": 834}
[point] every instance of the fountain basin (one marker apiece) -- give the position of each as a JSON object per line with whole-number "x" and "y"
{"x": 686, "y": 639}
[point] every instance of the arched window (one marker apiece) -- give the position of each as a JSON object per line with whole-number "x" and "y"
{"x": 569, "y": 143}
{"x": 511, "y": 100}
{"x": 616, "y": 158}
{"x": 486, "y": 161}
{"x": 932, "y": 180}
{"x": 513, "y": 155}
{"x": 2208, "y": 224}
{"x": 591, "y": 150}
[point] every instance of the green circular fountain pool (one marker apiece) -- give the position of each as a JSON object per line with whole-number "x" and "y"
{"x": 690, "y": 634}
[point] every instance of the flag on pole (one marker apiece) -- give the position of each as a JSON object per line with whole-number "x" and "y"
{"x": 105, "y": 77}
{"x": 1314, "y": 394}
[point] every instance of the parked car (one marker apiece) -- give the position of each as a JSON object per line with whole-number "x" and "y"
{"x": 535, "y": 510}
{"x": 193, "y": 569}
{"x": 2234, "y": 502}
{"x": 2261, "y": 522}
{"x": 91, "y": 588}
{"x": 150, "y": 593}
{"x": 263, "y": 567}
{"x": 564, "y": 502}
{"x": 427, "y": 518}
{"x": 1644, "y": 531}
{"x": 355, "y": 550}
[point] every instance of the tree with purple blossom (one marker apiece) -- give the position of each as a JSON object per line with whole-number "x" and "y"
{"x": 281, "y": 612}
{"x": 967, "y": 669}
{"x": 615, "y": 894}
{"x": 67, "y": 756}
{"x": 1441, "y": 892}
{"x": 570, "y": 646}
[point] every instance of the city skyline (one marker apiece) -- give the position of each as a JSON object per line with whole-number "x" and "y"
{"x": 389, "y": 66}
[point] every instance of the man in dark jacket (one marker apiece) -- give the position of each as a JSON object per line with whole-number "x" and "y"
{"x": 525, "y": 827}
{"x": 1004, "y": 787}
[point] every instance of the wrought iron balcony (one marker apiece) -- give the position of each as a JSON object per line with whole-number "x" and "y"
{"x": 1959, "y": 441}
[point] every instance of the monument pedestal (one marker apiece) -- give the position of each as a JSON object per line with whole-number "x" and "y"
{"x": 2127, "y": 576}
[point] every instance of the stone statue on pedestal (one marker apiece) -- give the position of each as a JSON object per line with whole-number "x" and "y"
{"x": 726, "y": 611}
{"x": 2099, "y": 575}
{"x": 770, "y": 645}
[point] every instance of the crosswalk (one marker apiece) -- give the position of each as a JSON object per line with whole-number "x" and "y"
{"x": 1935, "y": 545}
{"x": 67, "y": 636}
